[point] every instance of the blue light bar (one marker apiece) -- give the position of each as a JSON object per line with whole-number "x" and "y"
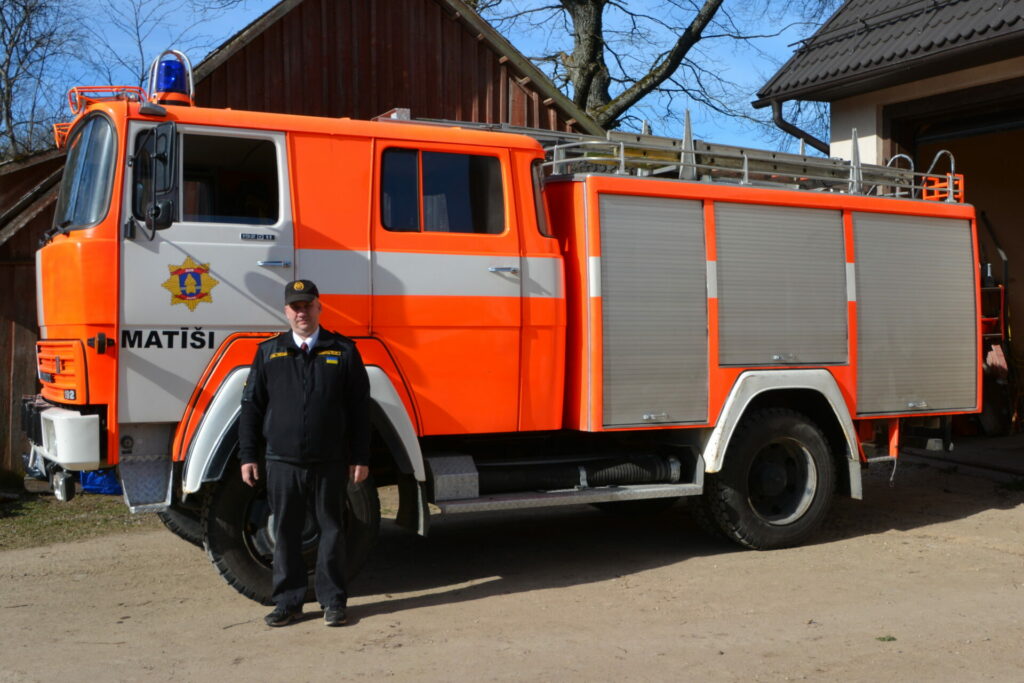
{"x": 170, "y": 77}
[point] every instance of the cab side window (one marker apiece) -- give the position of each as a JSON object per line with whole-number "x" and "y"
{"x": 224, "y": 180}
{"x": 459, "y": 193}
{"x": 229, "y": 180}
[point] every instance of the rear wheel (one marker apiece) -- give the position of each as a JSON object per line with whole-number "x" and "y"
{"x": 240, "y": 542}
{"x": 776, "y": 483}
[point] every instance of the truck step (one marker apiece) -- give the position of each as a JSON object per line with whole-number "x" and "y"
{"x": 539, "y": 499}
{"x": 146, "y": 480}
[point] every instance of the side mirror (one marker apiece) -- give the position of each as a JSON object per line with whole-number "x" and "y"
{"x": 162, "y": 209}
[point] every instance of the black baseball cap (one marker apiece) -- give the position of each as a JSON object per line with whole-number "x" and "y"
{"x": 300, "y": 290}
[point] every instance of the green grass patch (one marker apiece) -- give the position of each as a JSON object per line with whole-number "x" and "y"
{"x": 885, "y": 639}
{"x": 33, "y": 519}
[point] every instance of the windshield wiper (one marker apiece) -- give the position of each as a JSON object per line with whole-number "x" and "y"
{"x": 57, "y": 229}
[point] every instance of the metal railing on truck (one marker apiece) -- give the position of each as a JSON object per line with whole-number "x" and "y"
{"x": 685, "y": 158}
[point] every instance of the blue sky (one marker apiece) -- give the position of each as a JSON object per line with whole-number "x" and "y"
{"x": 743, "y": 67}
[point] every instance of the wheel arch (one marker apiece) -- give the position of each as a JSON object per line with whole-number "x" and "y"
{"x": 215, "y": 440}
{"x": 813, "y": 392}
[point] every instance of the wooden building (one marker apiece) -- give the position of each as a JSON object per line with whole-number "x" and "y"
{"x": 360, "y": 59}
{"x": 352, "y": 58}
{"x": 28, "y": 188}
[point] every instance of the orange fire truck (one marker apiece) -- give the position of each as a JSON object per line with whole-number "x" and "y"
{"x": 547, "y": 319}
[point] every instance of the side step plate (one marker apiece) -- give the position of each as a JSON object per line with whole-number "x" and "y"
{"x": 601, "y": 494}
{"x": 146, "y": 481}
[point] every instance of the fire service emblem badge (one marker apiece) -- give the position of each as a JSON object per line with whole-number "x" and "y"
{"x": 190, "y": 283}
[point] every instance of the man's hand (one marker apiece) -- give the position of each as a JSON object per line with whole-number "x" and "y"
{"x": 356, "y": 473}
{"x": 250, "y": 473}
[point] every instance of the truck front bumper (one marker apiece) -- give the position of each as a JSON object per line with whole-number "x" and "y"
{"x": 63, "y": 436}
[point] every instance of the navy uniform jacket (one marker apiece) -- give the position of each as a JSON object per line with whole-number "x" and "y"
{"x": 306, "y": 408}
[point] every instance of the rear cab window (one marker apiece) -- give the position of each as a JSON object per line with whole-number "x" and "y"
{"x": 441, "y": 192}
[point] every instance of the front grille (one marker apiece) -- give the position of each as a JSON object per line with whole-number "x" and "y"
{"x": 61, "y": 365}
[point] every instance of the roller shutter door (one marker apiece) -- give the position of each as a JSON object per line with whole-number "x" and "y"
{"x": 916, "y": 319}
{"x": 654, "y": 310}
{"x": 781, "y": 285}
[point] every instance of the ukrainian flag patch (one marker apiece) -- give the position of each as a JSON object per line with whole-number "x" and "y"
{"x": 331, "y": 361}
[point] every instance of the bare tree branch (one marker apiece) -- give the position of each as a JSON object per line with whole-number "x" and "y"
{"x": 35, "y": 35}
{"x": 625, "y": 60}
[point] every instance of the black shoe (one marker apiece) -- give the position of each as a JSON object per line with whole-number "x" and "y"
{"x": 282, "y": 616}
{"x": 335, "y": 617}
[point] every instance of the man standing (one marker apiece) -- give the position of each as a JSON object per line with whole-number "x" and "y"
{"x": 307, "y": 401}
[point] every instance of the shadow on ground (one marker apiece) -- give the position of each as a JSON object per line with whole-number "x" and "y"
{"x": 477, "y": 556}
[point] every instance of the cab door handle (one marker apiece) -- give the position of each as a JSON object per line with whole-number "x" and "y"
{"x": 274, "y": 264}
{"x": 514, "y": 270}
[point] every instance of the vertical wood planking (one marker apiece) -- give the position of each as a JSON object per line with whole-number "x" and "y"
{"x": 356, "y": 58}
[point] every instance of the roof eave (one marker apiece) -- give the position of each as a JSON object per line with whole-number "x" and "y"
{"x": 525, "y": 66}
{"x": 899, "y": 73}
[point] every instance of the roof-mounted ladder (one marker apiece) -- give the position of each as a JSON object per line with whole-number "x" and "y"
{"x": 624, "y": 153}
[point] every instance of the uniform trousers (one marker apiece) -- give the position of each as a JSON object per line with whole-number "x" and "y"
{"x": 292, "y": 490}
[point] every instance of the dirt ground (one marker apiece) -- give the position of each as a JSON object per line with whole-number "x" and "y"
{"x": 922, "y": 581}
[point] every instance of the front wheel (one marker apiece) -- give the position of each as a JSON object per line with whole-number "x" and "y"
{"x": 239, "y": 542}
{"x": 186, "y": 523}
{"x": 776, "y": 483}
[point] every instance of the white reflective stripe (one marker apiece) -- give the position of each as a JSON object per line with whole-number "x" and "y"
{"x": 40, "y": 313}
{"x": 335, "y": 271}
{"x": 410, "y": 274}
{"x": 542, "y": 277}
{"x": 851, "y": 281}
{"x": 712, "y": 279}
{"x": 594, "y": 275}
{"x": 342, "y": 271}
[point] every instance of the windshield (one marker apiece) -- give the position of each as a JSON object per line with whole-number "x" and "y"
{"x": 88, "y": 173}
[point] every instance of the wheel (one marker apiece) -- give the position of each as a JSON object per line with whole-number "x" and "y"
{"x": 240, "y": 544}
{"x": 776, "y": 483}
{"x": 187, "y": 524}
{"x": 700, "y": 512}
{"x": 637, "y": 508}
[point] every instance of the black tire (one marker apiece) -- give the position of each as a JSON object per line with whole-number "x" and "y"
{"x": 637, "y": 508}
{"x": 186, "y": 524}
{"x": 700, "y": 512}
{"x": 776, "y": 483}
{"x": 239, "y": 545}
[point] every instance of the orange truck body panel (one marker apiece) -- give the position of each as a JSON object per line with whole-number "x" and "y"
{"x": 574, "y": 207}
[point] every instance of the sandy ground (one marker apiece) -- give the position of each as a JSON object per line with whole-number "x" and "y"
{"x": 920, "y": 582}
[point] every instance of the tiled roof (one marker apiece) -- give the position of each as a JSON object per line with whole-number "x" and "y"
{"x": 869, "y": 44}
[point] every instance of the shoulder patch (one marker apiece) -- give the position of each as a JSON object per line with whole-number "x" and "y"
{"x": 278, "y": 354}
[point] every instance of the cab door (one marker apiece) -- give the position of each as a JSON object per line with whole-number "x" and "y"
{"x": 447, "y": 286}
{"x": 216, "y": 264}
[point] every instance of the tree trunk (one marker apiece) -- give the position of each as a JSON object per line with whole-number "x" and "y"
{"x": 587, "y": 69}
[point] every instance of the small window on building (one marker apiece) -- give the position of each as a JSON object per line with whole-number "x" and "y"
{"x": 229, "y": 180}
{"x": 461, "y": 193}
